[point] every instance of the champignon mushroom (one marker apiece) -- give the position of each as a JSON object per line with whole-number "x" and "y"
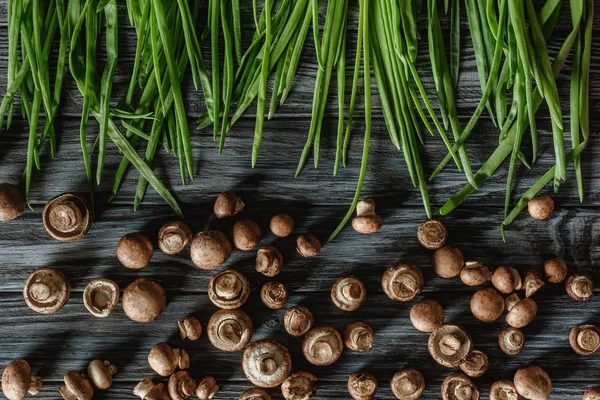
{"x": 511, "y": 341}
{"x": 532, "y": 282}
{"x": 282, "y": 225}
{"x": 101, "y": 296}
{"x": 147, "y": 390}
{"x": 308, "y": 245}
{"x": 12, "y": 204}
{"x": 300, "y": 385}
{"x": 474, "y": 273}
{"x": 580, "y": 287}
{"x": 266, "y": 363}
{"x": 100, "y": 373}
{"x": 67, "y": 217}
{"x": 541, "y": 207}
{"x": 274, "y": 295}
{"x": 432, "y": 234}
{"x": 448, "y": 261}
{"x": 228, "y": 204}
{"x": 228, "y": 289}
{"x": 210, "y": 249}
{"x": 506, "y": 279}
{"x": 348, "y": 293}
{"x": 358, "y": 336}
{"x": 402, "y": 282}
{"x": 164, "y": 359}
{"x": 366, "y": 221}
{"x": 592, "y": 393}
{"x": 207, "y": 388}
{"x": 246, "y": 234}
{"x": 144, "y": 300}
{"x": 458, "y": 386}
{"x": 229, "y": 330}
{"x": 77, "y": 386}
{"x": 450, "y": 345}
{"x": 503, "y": 390}
{"x": 408, "y": 384}
{"x": 487, "y": 305}
{"x": 46, "y": 290}
{"x": 254, "y": 394}
{"x": 533, "y": 383}
{"x": 173, "y": 237}
{"x": 585, "y": 339}
{"x": 298, "y": 320}
{"x": 476, "y": 364}
{"x": 520, "y": 312}
{"x": 322, "y": 346}
{"x": 134, "y": 250}
{"x": 181, "y": 385}
{"x": 362, "y": 385}
{"x": 427, "y": 315}
{"x": 17, "y": 381}
{"x": 269, "y": 261}
{"x": 555, "y": 270}
{"x": 190, "y": 328}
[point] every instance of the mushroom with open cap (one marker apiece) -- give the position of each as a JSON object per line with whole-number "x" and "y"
{"x": 173, "y": 237}
{"x": 322, "y": 346}
{"x": 101, "y": 296}
{"x": 228, "y": 204}
{"x": 555, "y": 270}
{"x": 362, "y": 385}
{"x": 229, "y": 330}
{"x": 266, "y": 363}
{"x": 101, "y": 373}
{"x": 579, "y": 287}
{"x": 503, "y": 390}
{"x": 135, "y": 250}
{"x": 487, "y": 305}
{"x": 308, "y": 245}
{"x": 300, "y": 385}
{"x": 269, "y": 261}
{"x": 144, "y": 300}
{"x": 592, "y": 393}
{"x": 207, "y": 388}
{"x": 67, "y": 217}
{"x": 532, "y": 282}
{"x": 254, "y": 394}
{"x": 181, "y": 385}
{"x": 246, "y": 234}
{"x": 408, "y": 384}
{"x": 190, "y": 328}
{"x": 147, "y": 390}
{"x": 358, "y": 336}
{"x": 366, "y": 221}
{"x": 274, "y": 295}
{"x": 164, "y": 359}
{"x": 77, "y": 386}
{"x": 282, "y": 225}
{"x": 474, "y": 273}
{"x": 520, "y": 311}
{"x": 17, "y": 381}
{"x": 585, "y": 339}
{"x": 476, "y": 364}
{"x": 448, "y": 261}
{"x": 348, "y": 293}
{"x": 210, "y": 249}
{"x": 228, "y": 289}
{"x": 533, "y": 383}
{"x": 450, "y": 345}
{"x": 541, "y": 207}
{"x": 298, "y": 320}
{"x": 506, "y": 279}
{"x": 458, "y": 386}
{"x": 12, "y": 204}
{"x": 511, "y": 341}
{"x": 432, "y": 234}
{"x": 427, "y": 315}
{"x": 46, "y": 290}
{"x": 402, "y": 282}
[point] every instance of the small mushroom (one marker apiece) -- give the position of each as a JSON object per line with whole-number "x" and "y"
{"x": 580, "y": 287}
{"x": 308, "y": 245}
{"x": 298, "y": 320}
{"x": 228, "y": 204}
{"x": 532, "y": 282}
{"x": 432, "y": 234}
{"x": 210, "y": 249}
{"x": 12, "y": 204}
{"x": 427, "y": 315}
{"x": 555, "y": 270}
{"x": 541, "y": 207}
{"x": 266, "y": 363}
{"x": 101, "y": 296}
{"x": 408, "y": 384}
{"x": 533, "y": 383}
{"x": 366, "y": 221}
{"x": 300, "y": 385}
{"x": 322, "y": 346}
{"x": 228, "y": 289}
{"x": 246, "y": 234}
{"x": 274, "y": 295}
{"x": 181, "y": 385}
{"x": 229, "y": 330}
{"x": 348, "y": 293}
{"x": 511, "y": 341}
{"x": 254, "y": 394}
{"x": 458, "y": 386}
{"x": 592, "y": 393}
{"x": 190, "y": 328}
{"x": 207, "y": 388}
{"x": 164, "y": 359}
{"x": 503, "y": 390}
{"x": 46, "y": 290}
{"x": 448, "y": 261}
{"x": 487, "y": 305}
{"x": 17, "y": 381}
{"x": 520, "y": 312}
{"x": 134, "y": 250}
{"x": 147, "y": 390}
{"x": 77, "y": 387}
{"x": 402, "y": 282}
{"x": 269, "y": 261}
{"x": 506, "y": 279}
{"x": 450, "y": 345}
{"x": 585, "y": 339}
{"x": 282, "y": 225}
{"x": 359, "y": 336}
{"x": 173, "y": 237}
{"x": 144, "y": 300}
{"x": 100, "y": 373}
{"x": 476, "y": 364}
{"x": 474, "y": 273}
{"x": 362, "y": 385}
{"x": 67, "y": 217}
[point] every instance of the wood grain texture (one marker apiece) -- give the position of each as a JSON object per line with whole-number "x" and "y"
{"x": 71, "y": 338}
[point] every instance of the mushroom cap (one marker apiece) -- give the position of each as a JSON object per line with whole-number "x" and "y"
{"x": 254, "y": 394}
{"x": 228, "y": 204}
{"x": 532, "y": 282}
{"x": 173, "y": 237}
{"x": 458, "y": 386}
{"x": 487, "y": 305}
{"x": 511, "y": 341}
{"x": 79, "y": 385}
{"x": 164, "y": 360}
{"x": 579, "y": 287}
{"x": 476, "y": 364}
{"x": 229, "y": 330}
{"x": 210, "y": 249}
{"x": 274, "y": 295}
{"x": 592, "y": 393}
{"x": 358, "y": 336}
{"x": 16, "y": 380}
{"x": 181, "y": 385}
{"x": 348, "y": 293}
{"x": 147, "y": 390}
{"x": 427, "y": 315}
{"x": 522, "y": 313}
{"x": 408, "y": 384}
{"x": 67, "y": 217}
{"x": 448, "y": 261}
{"x": 585, "y": 339}
{"x": 322, "y": 346}
{"x": 450, "y": 345}
{"x": 503, "y": 390}
{"x": 190, "y": 328}
{"x": 432, "y": 234}
{"x": 541, "y": 207}
{"x": 366, "y": 221}
{"x": 101, "y": 296}
{"x": 298, "y": 320}
{"x": 135, "y": 250}
{"x": 266, "y": 363}
{"x": 308, "y": 245}
{"x": 533, "y": 383}
{"x": 246, "y": 234}
{"x": 207, "y": 388}
{"x": 12, "y": 204}
{"x": 362, "y": 385}
{"x": 474, "y": 273}
{"x": 144, "y": 300}
{"x": 100, "y": 373}
{"x": 282, "y": 225}
{"x": 555, "y": 270}
{"x": 300, "y": 385}
{"x": 269, "y": 261}
{"x": 506, "y": 279}
{"x": 46, "y": 290}
{"x": 228, "y": 289}
{"x": 402, "y": 282}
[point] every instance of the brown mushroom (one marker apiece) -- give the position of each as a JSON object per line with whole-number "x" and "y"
{"x": 592, "y": 393}
{"x": 432, "y": 234}
{"x": 348, "y": 293}
{"x": 458, "y": 386}
{"x": 427, "y": 315}
{"x": 503, "y": 390}
{"x": 358, "y": 336}
{"x": 173, "y": 237}
{"x": 511, "y": 341}
{"x": 254, "y": 394}
{"x": 12, "y": 204}
{"x": 190, "y": 328}
{"x": 474, "y": 273}
{"x": 450, "y": 345}
{"x": 269, "y": 261}
{"x": 362, "y": 385}
{"x": 366, "y": 221}
{"x": 476, "y": 364}
{"x": 147, "y": 390}
{"x": 210, "y": 249}
{"x": 580, "y": 287}
{"x": 144, "y": 300}
{"x": 229, "y": 330}
{"x": 274, "y": 295}
{"x": 322, "y": 346}
{"x": 228, "y": 204}
{"x": 282, "y": 225}
{"x": 300, "y": 385}
{"x": 408, "y": 384}
{"x": 506, "y": 279}
{"x": 298, "y": 320}
{"x": 533, "y": 383}
{"x": 164, "y": 359}
{"x": 585, "y": 339}
{"x": 308, "y": 245}
{"x": 134, "y": 250}
{"x": 520, "y": 312}
{"x": 402, "y": 282}
{"x": 181, "y": 385}
{"x": 101, "y": 296}
{"x": 207, "y": 388}
{"x": 46, "y": 290}
{"x": 17, "y": 381}
{"x": 541, "y": 207}
{"x": 555, "y": 270}
{"x": 77, "y": 386}
{"x": 266, "y": 363}
{"x": 448, "y": 261}
{"x": 532, "y": 282}
{"x": 246, "y": 234}
{"x": 228, "y": 289}
{"x": 487, "y": 305}
{"x": 100, "y": 373}
{"x": 67, "y": 217}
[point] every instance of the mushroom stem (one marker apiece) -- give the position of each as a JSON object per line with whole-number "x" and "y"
{"x": 142, "y": 388}
{"x": 36, "y": 385}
